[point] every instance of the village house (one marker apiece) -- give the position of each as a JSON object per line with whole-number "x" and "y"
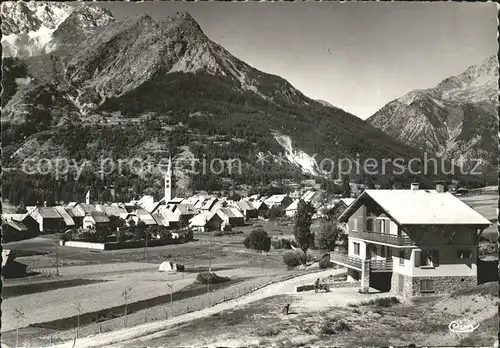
{"x": 261, "y": 208}
{"x": 144, "y": 216}
{"x": 247, "y": 208}
{"x": 308, "y": 196}
{"x": 340, "y": 207}
{"x": 206, "y": 221}
{"x": 185, "y": 212}
{"x": 411, "y": 242}
{"x": 231, "y": 216}
{"x": 279, "y": 200}
{"x": 291, "y": 210}
{"x": 68, "y": 220}
{"x": 95, "y": 220}
{"x": 48, "y": 219}
{"x": 209, "y": 204}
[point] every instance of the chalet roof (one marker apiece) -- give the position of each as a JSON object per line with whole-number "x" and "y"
{"x": 99, "y": 217}
{"x": 259, "y": 204}
{"x": 201, "y": 219}
{"x": 49, "y": 213}
{"x": 209, "y": 203}
{"x": 14, "y": 217}
{"x": 76, "y": 211}
{"x": 68, "y": 220}
{"x": 420, "y": 207}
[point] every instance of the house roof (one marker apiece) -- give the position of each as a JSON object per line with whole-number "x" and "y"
{"x": 99, "y": 217}
{"x": 307, "y": 197}
{"x": 276, "y": 198}
{"x": 14, "y": 217}
{"x": 245, "y": 205}
{"x": 68, "y": 220}
{"x": 231, "y": 212}
{"x": 420, "y": 207}
{"x": 16, "y": 225}
{"x": 76, "y": 211}
{"x": 6, "y": 254}
{"x": 209, "y": 203}
{"x": 294, "y": 205}
{"x": 87, "y": 208}
{"x": 186, "y": 209}
{"x": 259, "y": 204}
{"x": 112, "y": 210}
{"x": 347, "y": 201}
{"x": 49, "y": 213}
{"x": 145, "y": 217}
{"x": 159, "y": 219}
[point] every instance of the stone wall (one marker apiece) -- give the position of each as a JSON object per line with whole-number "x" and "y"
{"x": 442, "y": 285}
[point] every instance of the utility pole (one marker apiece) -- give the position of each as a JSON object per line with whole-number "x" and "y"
{"x": 57, "y": 258}
{"x": 210, "y": 253}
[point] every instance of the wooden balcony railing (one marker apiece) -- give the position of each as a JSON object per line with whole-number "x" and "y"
{"x": 347, "y": 261}
{"x": 381, "y": 266}
{"x": 382, "y": 238}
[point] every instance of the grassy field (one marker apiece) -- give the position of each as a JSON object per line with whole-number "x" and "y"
{"x": 377, "y": 322}
{"x": 485, "y": 205}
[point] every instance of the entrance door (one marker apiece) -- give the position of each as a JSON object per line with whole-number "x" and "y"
{"x": 401, "y": 284}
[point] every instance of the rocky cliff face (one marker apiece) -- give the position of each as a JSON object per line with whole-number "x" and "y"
{"x": 457, "y": 119}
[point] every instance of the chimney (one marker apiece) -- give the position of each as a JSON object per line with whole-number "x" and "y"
{"x": 414, "y": 186}
{"x": 439, "y": 187}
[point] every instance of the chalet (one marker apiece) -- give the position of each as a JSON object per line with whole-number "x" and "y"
{"x": 206, "y": 221}
{"x": 231, "y": 216}
{"x": 247, "y": 208}
{"x": 172, "y": 219}
{"x": 10, "y": 267}
{"x": 95, "y": 220}
{"x": 76, "y": 213}
{"x": 17, "y": 227}
{"x": 411, "y": 242}
{"x": 48, "y": 218}
{"x": 279, "y": 200}
{"x": 159, "y": 219}
{"x": 115, "y": 210}
{"x": 291, "y": 210}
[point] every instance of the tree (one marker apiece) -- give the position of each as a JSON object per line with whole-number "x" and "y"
{"x": 346, "y": 187}
{"x": 329, "y": 235}
{"x": 303, "y": 221}
{"x": 258, "y": 240}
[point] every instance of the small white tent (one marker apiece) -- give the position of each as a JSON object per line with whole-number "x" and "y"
{"x": 168, "y": 266}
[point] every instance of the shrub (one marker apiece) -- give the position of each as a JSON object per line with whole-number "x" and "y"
{"x": 283, "y": 243}
{"x": 324, "y": 263}
{"x": 210, "y": 278}
{"x": 333, "y": 327}
{"x": 329, "y": 235}
{"x": 294, "y": 259}
{"x": 258, "y": 240}
{"x": 383, "y": 301}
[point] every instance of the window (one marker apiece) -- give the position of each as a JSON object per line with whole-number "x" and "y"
{"x": 382, "y": 251}
{"x": 369, "y": 225}
{"x": 429, "y": 258}
{"x": 356, "y": 248}
{"x": 355, "y": 224}
{"x": 464, "y": 254}
{"x": 402, "y": 257}
{"x": 426, "y": 285}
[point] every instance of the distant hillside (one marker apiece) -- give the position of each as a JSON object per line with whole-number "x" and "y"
{"x": 457, "y": 119}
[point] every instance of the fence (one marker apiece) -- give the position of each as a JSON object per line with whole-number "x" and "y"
{"x": 160, "y": 312}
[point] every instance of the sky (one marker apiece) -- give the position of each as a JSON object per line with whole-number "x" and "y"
{"x": 356, "y": 56}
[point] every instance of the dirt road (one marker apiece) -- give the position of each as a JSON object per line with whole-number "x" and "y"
{"x": 121, "y": 337}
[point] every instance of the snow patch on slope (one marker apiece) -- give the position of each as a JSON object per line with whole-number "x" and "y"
{"x": 298, "y": 157}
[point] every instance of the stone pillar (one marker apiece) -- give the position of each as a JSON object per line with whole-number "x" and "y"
{"x": 365, "y": 275}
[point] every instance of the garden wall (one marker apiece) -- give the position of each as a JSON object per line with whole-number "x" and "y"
{"x": 116, "y": 246}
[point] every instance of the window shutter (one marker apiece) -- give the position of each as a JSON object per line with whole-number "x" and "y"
{"x": 435, "y": 257}
{"x": 387, "y": 227}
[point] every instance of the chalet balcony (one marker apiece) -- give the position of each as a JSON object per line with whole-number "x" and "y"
{"x": 379, "y": 266}
{"x": 376, "y": 266}
{"x": 346, "y": 261}
{"x": 382, "y": 238}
